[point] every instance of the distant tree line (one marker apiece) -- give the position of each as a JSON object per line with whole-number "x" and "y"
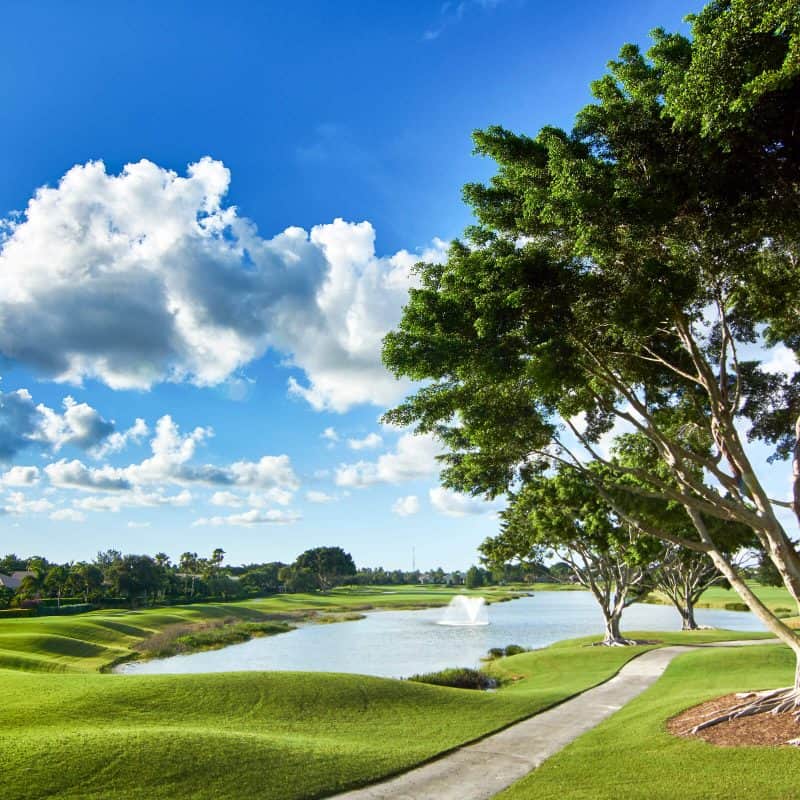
{"x": 114, "y": 578}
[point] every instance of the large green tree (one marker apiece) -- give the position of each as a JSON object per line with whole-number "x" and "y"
{"x": 330, "y": 565}
{"x": 564, "y": 514}
{"x": 622, "y": 270}
{"x": 136, "y": 577}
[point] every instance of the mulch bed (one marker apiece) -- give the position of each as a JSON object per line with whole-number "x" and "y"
{"x": 761, "y": 730}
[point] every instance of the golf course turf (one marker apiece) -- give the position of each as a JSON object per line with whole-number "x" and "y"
{"x": 70, "y": 732}
{"x": 631, "y": 755}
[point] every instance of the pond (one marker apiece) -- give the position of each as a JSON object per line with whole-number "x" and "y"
{"x": 396, "y": 644}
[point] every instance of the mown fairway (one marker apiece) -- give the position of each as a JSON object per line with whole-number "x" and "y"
{"x": 70, "y": 732}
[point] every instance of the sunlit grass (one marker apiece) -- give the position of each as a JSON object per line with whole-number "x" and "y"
{"x": 631, "y": 755}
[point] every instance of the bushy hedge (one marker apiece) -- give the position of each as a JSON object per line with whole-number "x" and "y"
{"x": 458, "y": 678}
{"x": 52, "y": 602}
{"x": 51, "y": 611}
{"x": 16, "y": 613}
{"x": 736, "y": 607}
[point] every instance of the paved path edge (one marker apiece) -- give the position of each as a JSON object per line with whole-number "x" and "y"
{"x": 481, "y": 768}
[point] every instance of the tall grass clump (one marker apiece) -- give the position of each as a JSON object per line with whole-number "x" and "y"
{"x": 458, "y": 678}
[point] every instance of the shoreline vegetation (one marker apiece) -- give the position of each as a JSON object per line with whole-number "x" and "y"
{"x": 214, "y": 635}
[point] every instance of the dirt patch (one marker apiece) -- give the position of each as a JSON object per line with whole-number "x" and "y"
{"x": 761, "y": 730}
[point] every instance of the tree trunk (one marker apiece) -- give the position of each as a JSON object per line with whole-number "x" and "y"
{"x": 796, "y": 470}
{"x": 687, "y": 615}
{"x": 613, "y": 637}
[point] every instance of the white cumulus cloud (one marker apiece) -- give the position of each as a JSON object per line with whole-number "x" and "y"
{"x": 406, "y": 506}
{"x": 68, "y": 515}
{"x": 228, "y": 499}
{"x": 453, "y": 504}
{"x": 170, "y": 462}
{"x": 147, "y": 276}
{"x": 414, "y": 457}
{"x": 330, "y": 434}
{"x": 20, "y": 476}
{"x": 18, "y": 503}
{"x": 23, "y": 423}
{"x": 369, "y": 442}
{"x": 254, "y": 516}
{"x": 314, "y": 496}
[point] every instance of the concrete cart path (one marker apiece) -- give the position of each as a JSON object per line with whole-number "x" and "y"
{"x": 479, "y": 771}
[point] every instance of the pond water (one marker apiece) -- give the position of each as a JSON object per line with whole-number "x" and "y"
{"x": 396, "y": 644}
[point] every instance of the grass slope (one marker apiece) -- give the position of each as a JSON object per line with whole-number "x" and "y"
{"x": 632, "y": 756}
{"x": 70, "y": 732}
{"x": 260, "y": 735}
{"x": 774, "y": 597}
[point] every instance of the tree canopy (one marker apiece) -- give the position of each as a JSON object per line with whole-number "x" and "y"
{"x": 626, "y": 272}
{"x": 328, "y": 565}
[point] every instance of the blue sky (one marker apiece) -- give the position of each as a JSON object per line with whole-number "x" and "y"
{"x": 295, "y": 115}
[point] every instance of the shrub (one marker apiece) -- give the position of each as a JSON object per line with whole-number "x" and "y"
{"x": 736, "y": 607}
{"x": 16, "y": 613}
{"x": 52, "y": 602}
{"x": 509, "y": 650}
{"x": 52, "y": 611}
{"x": 458, "y": 678}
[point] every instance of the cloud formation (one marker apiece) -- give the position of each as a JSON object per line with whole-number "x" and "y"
{"x": 453, "y": 504}
{"x": 170, "y": 462}
{"x": 406, "y": 506}
{"x": 23, "y": 423}
{"x": 314, "y": 496}
{"x": 20, "y": 476}
{"x": 369, "y": 442}
{"x": 68, "y": 515}
{"x": 18, "y": 422}
{"x": 146, "y": 276}
{"x": 18, "y": 503}
{"x": 80, "y": 425}
{"x": 414, "y": 457}
{"x": 254, "y": 516}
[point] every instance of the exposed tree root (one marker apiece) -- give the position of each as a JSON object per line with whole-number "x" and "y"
{"x": 622, "y": 642}
{"x": 775, "y": 701}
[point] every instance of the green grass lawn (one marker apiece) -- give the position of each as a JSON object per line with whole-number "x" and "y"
{"x": 774, "y": 597}
{"x": 632, "y": 756}
{"x": 260, "y": 735}
{"x": 69, "y": 731}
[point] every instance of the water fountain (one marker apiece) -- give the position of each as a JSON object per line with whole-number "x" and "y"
{"x": 464, "y": 611}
